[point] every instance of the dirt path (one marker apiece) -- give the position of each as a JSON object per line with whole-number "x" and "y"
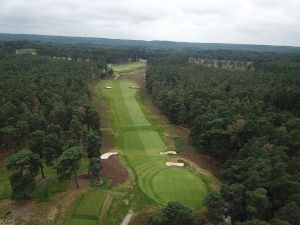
{"x": 127, "y": 218}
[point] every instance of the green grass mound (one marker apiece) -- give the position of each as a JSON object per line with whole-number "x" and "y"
{"x": 161, "y": 183}
{"x": 179, "y": 185}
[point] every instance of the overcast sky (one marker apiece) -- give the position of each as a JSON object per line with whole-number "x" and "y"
{"x": 227, "y": 21}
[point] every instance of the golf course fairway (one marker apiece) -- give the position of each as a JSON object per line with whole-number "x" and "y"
{"x": 141, "y": 144}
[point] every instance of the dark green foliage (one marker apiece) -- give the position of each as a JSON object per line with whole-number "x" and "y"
{"x": 68, "y": 163}
{"x": 93, "y": 147}
{"x": 247, "y": 119}
{"x": 39, "y": 93}
{"x": 52, "y": 148}
{"x": 174, "y": 213}
{"x": 25, "y": 166}
{"x": 216, "y": 206}
{"x": 95, "y": 167}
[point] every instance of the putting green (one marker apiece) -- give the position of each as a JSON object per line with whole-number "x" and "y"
{"x": 141, "y": 144}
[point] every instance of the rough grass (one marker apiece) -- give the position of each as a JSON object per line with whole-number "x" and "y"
{"x": 87, "y": 208}
{"x": 90, "y": 203}
{"x": 5, "y": 189}
{"x": 78, "y": 221}
{"x": 46, "y": 191}
{"x": 140, "y": 142}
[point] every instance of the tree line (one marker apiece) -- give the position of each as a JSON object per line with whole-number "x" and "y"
{"x": 46, "y": 114}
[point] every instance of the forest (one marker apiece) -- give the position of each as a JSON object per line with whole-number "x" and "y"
{"x": 242, "y": 109}
{"x": 249, "y": 121}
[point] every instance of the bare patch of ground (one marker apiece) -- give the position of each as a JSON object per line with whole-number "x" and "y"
{"x": 114, "y": 170}
{"x": 107, "y": 139}
{"x": 203, "y": 161}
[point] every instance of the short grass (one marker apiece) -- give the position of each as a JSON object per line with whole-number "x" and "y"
{"x": 90, "y": 203}
{"x": 127, "y": 111}
{"x": 129, "y": 66}
{"x": 140, "y": 143}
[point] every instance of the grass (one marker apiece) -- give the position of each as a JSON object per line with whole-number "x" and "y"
{"x": 87, "y": 208}
{"x": 129, "y": 67}
{"x": 46, "y": 191}
{"x": 126, "y": 109}
{"x": 90, "y": 203}
{"x": 26, "y": 51}
{"x": 140, "y": 143}
{"x": 78, "y": 221}
{"x": 5, "y": 189}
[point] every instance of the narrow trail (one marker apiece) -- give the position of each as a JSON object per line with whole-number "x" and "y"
{"x": 127, "y": 218}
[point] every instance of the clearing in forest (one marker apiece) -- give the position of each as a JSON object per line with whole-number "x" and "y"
{"x": 139, "y": 140}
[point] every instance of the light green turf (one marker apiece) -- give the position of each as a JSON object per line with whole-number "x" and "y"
{"x": 127, "y": 111}
{"x": 77, "y": 221}
{"x": 25, "y": 51}
{"x": 128, "y": 67}
{"x": 141, "y": 144}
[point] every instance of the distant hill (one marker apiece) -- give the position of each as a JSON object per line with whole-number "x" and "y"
{"x": 114, "y": 43}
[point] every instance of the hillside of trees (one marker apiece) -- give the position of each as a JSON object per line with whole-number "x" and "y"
{"x": 149, "y": 45}
{"x": 46, "y": 115}
{"x": 249, "y": 121}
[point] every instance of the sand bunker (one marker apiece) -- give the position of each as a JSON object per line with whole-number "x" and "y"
{"x": 108, "y": 154}
{"x": 108, "y": 87}
{"x": 168, "y": 153}
{"x": 174, "y": 164}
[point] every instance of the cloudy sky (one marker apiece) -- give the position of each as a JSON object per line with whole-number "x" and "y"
{"x": 227, "y": 21}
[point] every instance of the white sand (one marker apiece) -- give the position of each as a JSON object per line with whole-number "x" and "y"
{"x": 108, "y": 87}
{"x": 168, "y": 153}
{"x": 174, "y": 164}
{"x": 108, "y": 154}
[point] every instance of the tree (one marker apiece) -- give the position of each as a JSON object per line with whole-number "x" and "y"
{"x": 25, "y": 166}
{"x": 175, "y": 214}
{"x": 36, "y": 145}
{"x": 234, "y": 130}
{"x": 76, "y": 127}
{"x": 52, "y": 148}
{"x": 95, "y": 167}
{"x": 290, "y": 212}
{"x": 93, "y": 146}
{"x": 68, "y": 164}
{"x": 216, "y": 206}
{"x": 257, "y": 203}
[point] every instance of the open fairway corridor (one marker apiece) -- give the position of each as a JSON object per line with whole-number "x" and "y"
{"x": 140, "y": 142}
